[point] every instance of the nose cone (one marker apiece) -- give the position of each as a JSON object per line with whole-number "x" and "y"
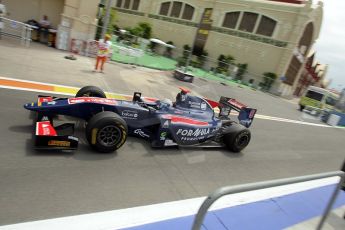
{"x": 30, "y": 106}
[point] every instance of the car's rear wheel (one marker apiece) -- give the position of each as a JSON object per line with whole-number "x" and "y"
{"x": 237, "y": 138}
{"x": 106, "y": 132}
{"x": 91, "y": 91}
{"x": 301, "y": 107}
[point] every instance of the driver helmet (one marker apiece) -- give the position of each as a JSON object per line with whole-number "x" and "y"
{"x": 166, "y": 102}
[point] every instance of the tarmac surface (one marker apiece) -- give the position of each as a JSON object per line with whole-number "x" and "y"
{"x": 39, "y": 185}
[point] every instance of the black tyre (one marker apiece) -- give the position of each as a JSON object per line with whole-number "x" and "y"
{"x": 301, "y": 107}
{"x": 91, "y": 91}
{"x": 106, "y": 132}
{"x": 237, "y": 138}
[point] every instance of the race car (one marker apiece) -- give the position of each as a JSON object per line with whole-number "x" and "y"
{"x": 189, "y": 121}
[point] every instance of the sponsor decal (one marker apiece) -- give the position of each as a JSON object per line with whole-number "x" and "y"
{"x": 73, "y": 138}
{"x": 166, "y": 124}
{"x": 169, "y": 142}
{"x": 203, "y": 106}
{"x": 129, "y": 114}
{"x": 194, "y": 104}
{"x": 140, "y": 133}
{"x": 123, "y": 139}
{"x": 45, "y": 99}
{"x": 252, "y": 113}
{"x": 59, "y": 143}
{"x": 51, "y": 103}
{"x": 185, "y": 120}
{"x": 44, "y": 128}
{"x": 193, "y": 132}
{"x": 92, "y": 100}
{"x": 236, "y": 103}
{"x": 94, "y": 136}
{"x": 183, "y": 97}
{"x": 45, "y": 118}
{"x": 163, "y": 136}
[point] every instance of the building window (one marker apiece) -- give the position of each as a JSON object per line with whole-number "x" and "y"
{"x": 164, "y": 8}
{"x": 119, "y": 3}
{"x": 248, "y": 22}
{"x": 127, "y": 3}
{"x": 266, "y": 26}
{"x": 188, "y": 12}
{"x": 230, "y": 20}
{"x": 176, "y": 9}
{"x": 135, "y": 5}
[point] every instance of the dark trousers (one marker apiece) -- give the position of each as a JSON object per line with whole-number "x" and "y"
{"x": 43, "y": 34}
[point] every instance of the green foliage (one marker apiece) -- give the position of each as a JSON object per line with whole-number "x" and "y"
{"x": 143, "y": 30}
{"x": 181, "y": 61}
{"x": 112, "y": 19}
{"x": 224, "y": 62}
{"x": 168, "y": 51}
{"x": 242, "y": 69}
{"x": 146, "y": 30}
{"x": 201, "y": 59}
{"x": 152, "y": 46}
{"x": 268, "y": 80}
{"x": 186, "y": 51}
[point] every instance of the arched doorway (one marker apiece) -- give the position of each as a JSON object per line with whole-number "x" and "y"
{"x": 300, "y": 53}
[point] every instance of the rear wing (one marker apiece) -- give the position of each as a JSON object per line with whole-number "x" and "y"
{"x": 245, "y": 116}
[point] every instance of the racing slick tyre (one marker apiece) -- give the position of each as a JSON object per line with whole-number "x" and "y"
{"x": 106, "y": 132}
{"x": 90, "y": 91}
{"x": 236, "y": 138}
{"x": 301, "y": 107}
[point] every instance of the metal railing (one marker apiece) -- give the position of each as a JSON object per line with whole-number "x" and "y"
{"x": 267, "y": 184}
{"x": 15, "y": 29}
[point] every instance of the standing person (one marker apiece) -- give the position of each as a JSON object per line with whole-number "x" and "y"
{"x": 3, "y": 13}
{"x": 104, "y": 46}
{"x": 44, "y": 27}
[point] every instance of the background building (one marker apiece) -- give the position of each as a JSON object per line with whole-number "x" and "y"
{"x": 270, "y": 36}
{"x": 72, "y": 18}
{"x": 313, "y": 74}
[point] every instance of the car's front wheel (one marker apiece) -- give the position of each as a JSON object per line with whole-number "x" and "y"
{"x": 90, "y": 91}
{"x": 106, "y": 132}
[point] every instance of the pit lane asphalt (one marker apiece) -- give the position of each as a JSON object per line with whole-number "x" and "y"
{"x": 39, "y": 185}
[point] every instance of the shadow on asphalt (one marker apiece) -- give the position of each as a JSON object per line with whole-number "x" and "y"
{"x": 175, "y": 150}
{"x": 87, "y": 71}
{"x": 86, "y": 153}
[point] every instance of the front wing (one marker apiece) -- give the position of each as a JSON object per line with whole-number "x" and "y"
{"x": 49, "y": 137}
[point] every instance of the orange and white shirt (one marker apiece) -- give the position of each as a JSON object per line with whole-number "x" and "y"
{"x": 103, "y": 48}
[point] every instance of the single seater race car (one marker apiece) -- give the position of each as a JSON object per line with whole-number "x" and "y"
{"x": 189, "y": 121}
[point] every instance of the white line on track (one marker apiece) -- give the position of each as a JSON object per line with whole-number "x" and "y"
{"x": 130, "y": 217}
{"x": 257, "y": 116}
